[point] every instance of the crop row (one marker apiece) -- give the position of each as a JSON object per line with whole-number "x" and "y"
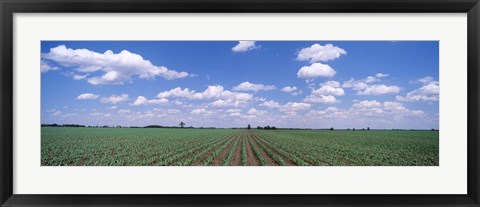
{"x": 206, "y": 147}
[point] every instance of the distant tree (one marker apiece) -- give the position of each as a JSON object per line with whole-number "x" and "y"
{"x": 182, "y": 124}
{"x": 353, "y": 129}
{"x": 433, "y": 129}
{"x": 259, "y": 127}
{"x": 368, "y": 128}
{"x": 273, "y": 127}
{"x": 348, "y": 129}
{"x": 249, "y": 127}
{"x": 363, "y": 129}
{"x": 331, "y": 128}
{"x": 267, "y": 127}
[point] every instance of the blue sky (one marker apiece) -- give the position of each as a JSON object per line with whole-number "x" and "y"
{"x": 307, "y": 84}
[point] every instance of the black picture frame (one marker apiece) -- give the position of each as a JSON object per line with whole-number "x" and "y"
{"x": 10, "y": 7}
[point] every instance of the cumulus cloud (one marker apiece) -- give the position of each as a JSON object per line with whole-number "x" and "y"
{"x": 329, "y": 88}
{"x": 367, "y": 104}
{"x": 201, "y": 111}
{"x": 326, "y": 93}
{"x": 45, "y": 67}
{"x": 292, "y": 90}
{"x": 376, "y": 78}
{"x": 426, "y": 80}
{"x": 244, "y": 46}
{"x": 330, "y": 112}
{"x": 215, "y": 91}
{"x": 87, "y": 96}
{"x": 327, "y": 99}
{"x": 288, "y": 89}
{"x": 428, "y": 92}
{"x": 270, "y": 104}
{"x": 295, "y": 106}
{"x": 233, "y": 110}
{"x": 114, "y": 99}
{"x": 316, "y": 70}
{"x": 228, "y": 103}
{"x": 247, "y": 86}
{"x": 112, "y": 107}
{"x": 80, "y": 77}
{"x": 141, "y": 100}
{"x": 256, "y": 112}
{"x": 363, "y": 83}
{"x": 288, "y": 107}
{"x": 124, "y": 111}
{"x": 56, "y": 113}
{"x": 101, "y": 115}
{"x": 379, "y": 90}
{"x": 117, "y": 68}
{"x": 376, "y": 108}
{"x": 319, "y": 52}
{"x": 364, "y": 86}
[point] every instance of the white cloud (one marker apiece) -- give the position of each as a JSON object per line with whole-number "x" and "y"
{"x": 428, "y": 92}
{"x": 178, "y": 102}
{"x": 363, "y": 86}
{"x": 319, "y": 52}
{"x": 367, "y": 104}
{"x": 327, "y": 99}
{"x": 363, "y": 83}
{"x": 215, "y": 91}
{"x": 329, "y": 88}
{"x": 244, "y": 46}
{"x": 233, "y": 110}
{"x": 45, "y": 67}
{"x": 114, "y": 99}
{"x": 326, "y": 93}
{"x": 256, "y": 112}
{"x": 381, "y": 75}
{"x": 124, "y": 111}
{"x": 112, "y": 107}
{"x": 355, "y": 85}
{"x": 247, "y": 86}
{"x": 80, "y": 77}
{"x": 259, "y": 99}
{"x": 87, "y": 96}
{"x": 228, "y": 103}
{"x": 56, "y": 113}
{"x": 100, "y": 115}
{"x": 201, "y": 111}
{"x": 426, "y": 80}
{"x": 141, "y": 100}
{"x": 118, "y": 68}
{"x": 316, "y": 70}
{"x": 292, "y": 90}
{"x": 295, "y": 106}
{"x": 270, "y": 104}
{"x": 376, "y": 78}
{"x": 177, "y": 92}
{"x": 379, "y": 90}
{"x": 330, "y": 112}
{"x": 288, "y": 89}
{"x": 375, "y": 108}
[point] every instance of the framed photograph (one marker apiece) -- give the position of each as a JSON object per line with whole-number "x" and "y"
{"x": 232, "y": 103}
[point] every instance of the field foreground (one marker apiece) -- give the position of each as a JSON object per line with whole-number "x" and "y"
{"x": 63, "y": 146}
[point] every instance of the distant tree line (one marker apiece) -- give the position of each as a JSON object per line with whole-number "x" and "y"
{"x": 182, "y": 125}
{"x": 267, "y": 127}
{"x": 62, "y": 125}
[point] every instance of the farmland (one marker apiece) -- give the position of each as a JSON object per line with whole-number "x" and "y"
{"x": 68, "y": 146}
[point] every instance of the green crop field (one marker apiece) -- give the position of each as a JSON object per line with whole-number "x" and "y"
{"x": 65, "y": 146}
